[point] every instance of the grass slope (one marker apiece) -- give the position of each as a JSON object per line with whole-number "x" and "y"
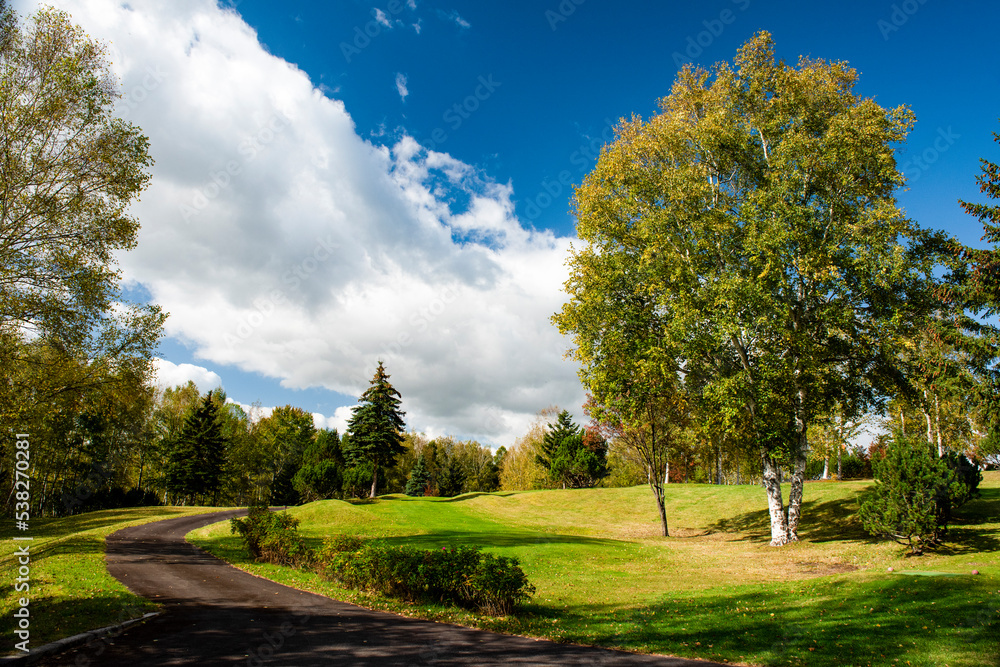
{"x": 71, "y": 590}
{"x": 714, "y": 589}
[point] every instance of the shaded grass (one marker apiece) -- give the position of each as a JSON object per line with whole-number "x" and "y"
{"x": 70, "y": 588}
{"x": 713, "y": 590}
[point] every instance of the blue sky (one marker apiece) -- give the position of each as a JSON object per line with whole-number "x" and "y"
{"x": 338, "y": 182}
{"x": 564, "y": 74}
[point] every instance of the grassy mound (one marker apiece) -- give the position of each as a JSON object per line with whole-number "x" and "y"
{"x": 714, "y": 589}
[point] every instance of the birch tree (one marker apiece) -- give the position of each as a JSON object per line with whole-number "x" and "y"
{"x": 748, "y": 234}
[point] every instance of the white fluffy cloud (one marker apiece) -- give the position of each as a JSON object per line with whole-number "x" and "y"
{"x": 169, "y": 374}
{"x": 401, "y": 86}
{"x": 283, "y": 243}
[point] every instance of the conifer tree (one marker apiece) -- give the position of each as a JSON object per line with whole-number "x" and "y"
{"x": 376, "y": 427}
{"x": 452, "y": 478}
{"x": 912, "y": 499}
{"x": 198, "y": 456}
{"x": 419, "y": 478}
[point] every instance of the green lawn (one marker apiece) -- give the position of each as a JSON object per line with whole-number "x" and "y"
{"x": 714, "y": 589}
{"x": 71, "y": 590}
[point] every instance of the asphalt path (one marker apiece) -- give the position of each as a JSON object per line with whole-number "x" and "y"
{"x": 214, "y": 614}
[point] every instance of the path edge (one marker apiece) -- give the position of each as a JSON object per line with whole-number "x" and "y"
{"x": 66, "y": 643}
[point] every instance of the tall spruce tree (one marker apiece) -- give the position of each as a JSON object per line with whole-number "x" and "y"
{"x": 198, "y": 455}
{"x": 376, "y": 428}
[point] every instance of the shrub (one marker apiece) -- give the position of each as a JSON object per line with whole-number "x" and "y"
{"x": 854, "y": 464}
{"x": 463, "y": 575}
{"x": 964, "y": 487}
{"x": 915, "y": 493}
{"x": 272, "y": 537}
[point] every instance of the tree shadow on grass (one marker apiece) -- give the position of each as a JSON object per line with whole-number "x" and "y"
{"x": 444, "y": 538}
{"x": 836, "y": 521}
{"x": 53, "y": 619}
{"x": 58, "y": 527}
{"x": 455, "y": 499}
{"x": 828, "y": 521}
{"x": 830, "y": 627}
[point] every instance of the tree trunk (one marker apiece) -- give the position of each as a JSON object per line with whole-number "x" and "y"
{"x": 718, "y": 464}
{"x": 930, "y": 429}
{"x": 374, "y": 481}
{"x": 795, "y": 494}
{"x": 826, "y": 467}
{"x": 798, "y": 466}
{"x": 937, "y": 423}
{"x": 775, "y": 503}
{"x": 840, "y": 463}
{"x": 661, "y": 506}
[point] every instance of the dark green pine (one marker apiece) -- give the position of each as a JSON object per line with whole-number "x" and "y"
{"x": 376, "y": 427}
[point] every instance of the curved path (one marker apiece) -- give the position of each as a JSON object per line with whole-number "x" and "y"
{"x": 215, "y": 614}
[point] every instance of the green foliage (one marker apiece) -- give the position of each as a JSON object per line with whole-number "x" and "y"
{"x": 283, "y": 437}
{"x": 452, "y": 478}
{"x": 272, "y": 537}
{"x": 69, "y": 343}
{"x": 463, "y": 575}
{"x": 376, "y": 428}
{"x": 198, "y": 456}
{"x": 743, "y": 249}
{"x": 967, "y": 477}
{"x": 914, "y": 495}
{"x": 68, "y": 172}
{"x": 318, "y": 481}
{"x": 985, "y": 277}
{"x": 420, "y": 477}
{"x": 573, "y": 458}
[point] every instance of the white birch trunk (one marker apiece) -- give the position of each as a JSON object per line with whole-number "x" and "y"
{"x": 826, "y": 467}
{"x": 930, "y": 429}
{"x": 795, "y": 494}
{"x": 775, "y": 503}
{"x": 937, "y": 423}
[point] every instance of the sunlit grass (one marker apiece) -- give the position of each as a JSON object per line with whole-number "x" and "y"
{"x": 714, "y": 589}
